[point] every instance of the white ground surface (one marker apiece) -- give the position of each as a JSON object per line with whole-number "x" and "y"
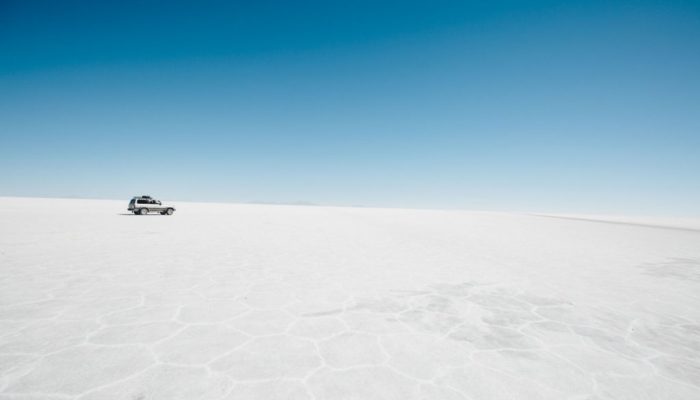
{"x": 283, "y": 302}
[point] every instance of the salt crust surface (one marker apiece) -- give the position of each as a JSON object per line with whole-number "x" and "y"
{"x": 225, "y": 301}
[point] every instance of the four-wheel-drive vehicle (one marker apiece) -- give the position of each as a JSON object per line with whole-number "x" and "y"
{"x": 143, "y": 205}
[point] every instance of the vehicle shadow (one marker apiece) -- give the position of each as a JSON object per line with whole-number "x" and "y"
{"x": 138, "y": 215}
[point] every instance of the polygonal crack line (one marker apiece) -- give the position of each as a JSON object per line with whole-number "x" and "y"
{"x": 36, "y": 356}
{"x": 35, "y": 323}
{"x": 656, "y": 374}
{"x": 663, "y": 354}
{"x": 17, "y": 330}
{"x": 357, "y": 308}
{"x": 30, "y": 302}
{"x": 660, "y": 373}
{"x": 684, "y": 383}
{"x": 53, "y": 318}
{"x": 385, "y": 352}
{"x": 41, "y": 357}
{"x": 242, "y": 314}
{"x": 235, "y": 383}
{"x": 535, "y": 310}
{"x": 118, "y": 381}
{"x": 198, "y": 286}
{"x": 596, "y": 385}
{"x": 541, "y": 344}
{"x": 295, "y": 297}
{"x": 516, "y": 377}
{"x": 411, "y": 328}
{"x": 422, "y": 309}
{"x": 531, "y": 311}
{"x": 448, "y": 386}
{"x": 186, "y": 365}
{"x": 230, "y": 389}
{"x": 178, "y": 312}
{"x": 624, "y": 356}
{"x": 308, "y": 391}
{"x": 268, "y": 335}
{"x": 294, "y": 317}
{"x": 26, "y": 371}
{"x": 223, "y": 321}
{"x": 41, "y": 394}
{"x": 446, "y": 336}
{"x": 252, "y": 310}
{"x": 147, "y": 344}
{"x": 529, "y": 324}
{"x": 416, "y": 381}
{"x": 322, "y": 365}
{"x": 83, "y": 341}
{"x": 267, "y": 308}
{"x": 573, "y": 364}
{"x": 655, "y": 352}
{"x": 285, "y": 308}
{"x": 345, "y": 304}
{"x": 289, "y": 327}
{"x": 338, "y": 334}
{"x": 237, "y": 298}
{"x": 101, "y": 317}
{"x": 446, "y": 371}
{"x": 419, "y": 381}
{"x": 117, "y": 310}
{"x": 344, "y": 322}
{"x": 359, "y": 333}
{"x": 232, "y": 350}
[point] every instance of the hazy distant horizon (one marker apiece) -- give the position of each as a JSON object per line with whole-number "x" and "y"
{"x": 637, "y": 219}
{"x": 546, "y": 106}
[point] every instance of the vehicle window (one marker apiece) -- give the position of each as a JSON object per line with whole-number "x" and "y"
{"x": 142, "y": 201}
{"x": 154, "y": 202}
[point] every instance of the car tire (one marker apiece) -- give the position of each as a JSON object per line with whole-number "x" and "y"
{"x": 143, "y": 211}
{"x": 169, "y": 211}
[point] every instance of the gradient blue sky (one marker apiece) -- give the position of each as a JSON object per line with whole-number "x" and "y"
{"x": 587, "y": 106}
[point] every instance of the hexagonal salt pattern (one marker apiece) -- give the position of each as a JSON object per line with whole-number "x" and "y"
{"x": 243, "y": 302}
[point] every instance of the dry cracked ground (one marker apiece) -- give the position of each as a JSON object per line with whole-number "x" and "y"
{"x": 281, "y": 302}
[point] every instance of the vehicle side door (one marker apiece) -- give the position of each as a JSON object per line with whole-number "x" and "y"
{"x": 155, "y": 205}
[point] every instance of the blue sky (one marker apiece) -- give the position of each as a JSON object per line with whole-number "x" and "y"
{"x": 590, "y": 107}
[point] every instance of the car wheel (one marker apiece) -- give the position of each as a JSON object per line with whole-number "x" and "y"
{"x": 169, "y": 211}
{"x": 143, "y": 211}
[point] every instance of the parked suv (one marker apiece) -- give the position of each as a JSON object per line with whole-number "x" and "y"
{"x": 142, "y": 205}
